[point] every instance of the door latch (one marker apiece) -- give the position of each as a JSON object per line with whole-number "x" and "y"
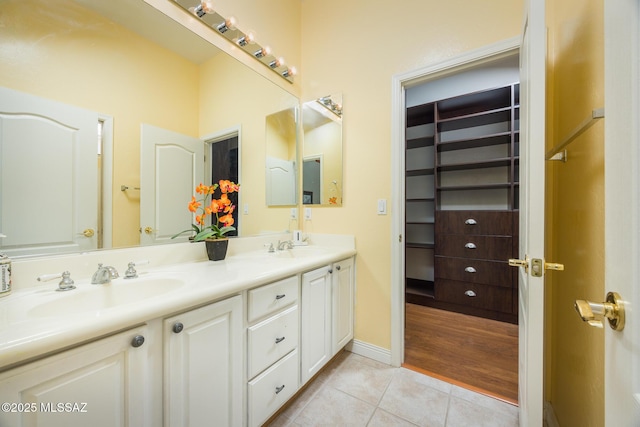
{"x": 537, "y": 265}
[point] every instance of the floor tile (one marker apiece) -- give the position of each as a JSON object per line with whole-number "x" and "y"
{"x": 463, "y": 413}
{"x": 382, "y": 418}
{"x": 362, "y": 380}
{"x": 331, "y": 407}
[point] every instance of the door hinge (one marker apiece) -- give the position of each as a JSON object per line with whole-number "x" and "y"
{"x": 400, "y": 238}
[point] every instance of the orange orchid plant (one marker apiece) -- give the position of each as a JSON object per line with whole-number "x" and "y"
{"x": 222, "y": 208}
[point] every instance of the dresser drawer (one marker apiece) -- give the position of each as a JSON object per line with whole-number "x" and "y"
{"x": 497, "y": 248}
{"x": 270, "y": 298}
{"x": 474, "y": 271}
{"x": 498, "y": 223}
{"x": 271, "y": 339}
{"x": 487, "y": 297}
{"x": 271, "y": 389}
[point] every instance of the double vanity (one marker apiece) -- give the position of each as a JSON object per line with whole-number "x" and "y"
{"x": 188, "y": 342}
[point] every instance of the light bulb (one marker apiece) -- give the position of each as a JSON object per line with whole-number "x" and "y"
{"x": 260, "y": 53}
{"x": 289, "y": 72}
{"x": 203, "y": 8}
{"x": 278, "y": 62}
{"x": 228, "y": 24}
{"x": 246, "y": 39}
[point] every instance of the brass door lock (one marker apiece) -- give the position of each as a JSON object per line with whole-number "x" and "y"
{"x": 593, "y": 313}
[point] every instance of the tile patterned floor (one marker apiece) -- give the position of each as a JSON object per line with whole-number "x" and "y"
{"x": 357, "y": 391}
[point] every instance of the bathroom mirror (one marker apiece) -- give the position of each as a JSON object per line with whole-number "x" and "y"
{"x": 131, "y": 65}
{"x": 281, "y": 172}
{"x": 322, "y": 151}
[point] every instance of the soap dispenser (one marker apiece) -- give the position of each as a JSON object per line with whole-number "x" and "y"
{"x": 5, "y": 275}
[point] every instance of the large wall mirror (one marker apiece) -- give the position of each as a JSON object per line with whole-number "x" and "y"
{"x": 322, "y": 151}
{"x": 129, "y": 66}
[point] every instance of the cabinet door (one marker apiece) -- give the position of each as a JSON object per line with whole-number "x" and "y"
{"x": 343, "y": 294}
{"x": 315, "y": 347}
{"x": 105, "y": 383}
{"x": 203, "y": 366}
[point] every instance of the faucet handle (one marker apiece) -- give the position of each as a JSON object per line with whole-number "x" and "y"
{"x": 66, "y": 284}
{"x": 131, "y": 272}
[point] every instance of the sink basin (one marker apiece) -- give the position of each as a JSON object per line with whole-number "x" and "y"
{"x": 299, "y": 252}
{"x": 100, "y": 297}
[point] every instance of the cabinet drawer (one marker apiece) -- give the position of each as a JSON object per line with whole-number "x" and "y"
{"x": 475, "y": 271}
{"x": 498, "y": 223}
{"x": 497, "y": 248}
{"x": 487, "y": 297}
{"x": 271, "y": 339}
{"x": 271, "y": 389}
{"x": 270, "y": 298}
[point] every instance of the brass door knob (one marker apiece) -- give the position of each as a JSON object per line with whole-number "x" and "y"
{"x": 149, "y": 230}
{"x": 593, "y": 313}
{"x": 89, "y": 232}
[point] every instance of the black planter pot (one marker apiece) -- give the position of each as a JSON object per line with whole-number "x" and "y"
{"x": 217, "y": 249}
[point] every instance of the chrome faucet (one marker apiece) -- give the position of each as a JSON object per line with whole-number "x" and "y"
{"x": 287, "y": 244}
{"x": 104, "y": 274}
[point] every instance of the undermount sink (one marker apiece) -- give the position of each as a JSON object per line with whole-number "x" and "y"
{"x": 299, "y": 252}
{"x": 100, "y": 297}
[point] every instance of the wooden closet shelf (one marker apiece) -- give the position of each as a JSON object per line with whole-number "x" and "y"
{"x": 480, "y": 141}
{"x": 493, "y": 163}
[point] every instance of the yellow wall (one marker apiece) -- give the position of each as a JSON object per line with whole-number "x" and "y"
{"x": 355, "y": 47}
{"x": 575, "y": 236}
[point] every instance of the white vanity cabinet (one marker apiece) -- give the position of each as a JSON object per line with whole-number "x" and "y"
{"x": 327, "y": 314}
{"x": 203, "y": 370}
{"x": 106, "y": 383}
{"x": 272, "y": 347}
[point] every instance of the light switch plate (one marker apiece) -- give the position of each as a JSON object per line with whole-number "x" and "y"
{"x": 382, "y": 206}
{"x": 294, "y": 213}
{"x": 307, "y": 213}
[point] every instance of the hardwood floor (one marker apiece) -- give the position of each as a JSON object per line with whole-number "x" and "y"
{"x": 481, "y": 354}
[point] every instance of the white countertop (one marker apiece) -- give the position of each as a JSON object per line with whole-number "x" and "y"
{"x": 37, "y": 320}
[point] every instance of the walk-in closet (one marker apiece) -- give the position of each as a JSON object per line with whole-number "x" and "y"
{"x": 461, "y": 227}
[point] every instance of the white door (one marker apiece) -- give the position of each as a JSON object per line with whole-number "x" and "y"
{"x": 281, "y": 182}
{"x": 622, "y": 213}
{"x": 48, "y": 175}
{"x": 171, "y": 166}
{"x": 532, "y": 173}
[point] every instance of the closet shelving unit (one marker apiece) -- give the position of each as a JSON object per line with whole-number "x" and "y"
{"x": 462, "y": 202}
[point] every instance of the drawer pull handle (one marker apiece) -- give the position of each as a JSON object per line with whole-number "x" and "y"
{"x": 470, "y": 270}
{"x": 470, "y": 293}
{"x": 280, "y": 296}
{"x": 471, "y": 221}
{"x": 470, "y": 245}
{"x": 279, "y": 340}
{"x": 279, "y": 389}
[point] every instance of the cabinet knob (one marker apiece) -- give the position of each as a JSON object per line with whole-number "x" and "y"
{"x": 177, "y": 327}
{"x": 471, "y": 221}
{"x": 470, "y": 270}
{"x": 280, "y": 296}
{"x": 330, "y": 271}
{"x": 338, "y": 267}
{"x": 279, "y": 388}
{"x": 279, "y": 340}
{"x": 470, "y": 293}
{"x": 137, "y": 341}
{"x": 470, "y": 245}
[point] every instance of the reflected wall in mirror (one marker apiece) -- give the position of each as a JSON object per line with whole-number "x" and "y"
{"x": 281, "y": 173}
{"x": 322, "y": 151}
{"x": 130, "y": 65}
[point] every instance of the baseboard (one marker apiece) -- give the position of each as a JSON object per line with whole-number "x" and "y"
{"x": 371, "y": 351}
{"x": 550, "y": 416}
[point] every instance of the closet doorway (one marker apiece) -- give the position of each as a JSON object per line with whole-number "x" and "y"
{"x": 461, "y": 173}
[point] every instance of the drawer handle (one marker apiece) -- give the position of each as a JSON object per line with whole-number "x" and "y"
{"x": 470, "y": 245}
{"x": 279, "y": 340}
{"x": 280, "y": 296}
{"x": 279, "y": 389}
{"x": 470, "y": 270}
{"x": 470, "y": 293}
{"x": 471, "y": 221}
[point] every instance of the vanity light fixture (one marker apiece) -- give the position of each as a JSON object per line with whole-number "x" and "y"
{"x": 244, "y": 40}
{"x": 330, "y": 105}
{"x": 228, "y": 24}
